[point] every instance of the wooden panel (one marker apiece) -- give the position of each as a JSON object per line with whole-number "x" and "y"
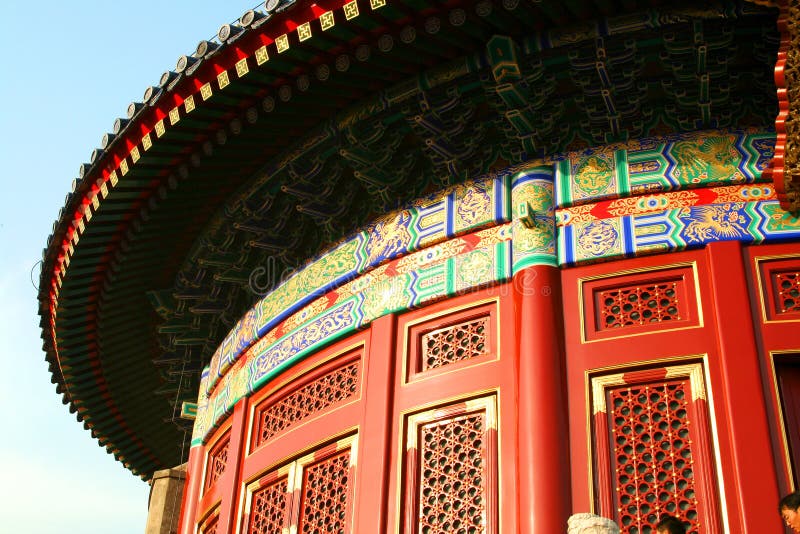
{"x": 435, "y": 403}
{"x": 718, "y": 332}
{"x": 451, "y": 469}
{"x": 787, "y": 371}
{"x": 773, "y": 271}
{"x": 652, "y": 448}
{"x": 632, "y": 304}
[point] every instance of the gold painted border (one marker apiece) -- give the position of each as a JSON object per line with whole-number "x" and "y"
{"x": 403, "y": 426}
{"x": 787, "y": 457}
{"x": 293, "y": 469}
{"x": 582, "y": 311}
{"x": 404, "y": 378}
{"x": 762, "y": 287}
{"x": 703, "y": 373}
{"x": 198, "y": 525}
{"x": 226, "y": 426}
{"x": 279, "y": 385}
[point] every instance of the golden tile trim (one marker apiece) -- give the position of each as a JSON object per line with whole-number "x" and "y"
{"x": 174, "y": 116}
{"x": 695, "y": 373}
{"x": 223, "y": 80}
{"x": 135, "y": 154}
{"x": 113, "y": 178}
{"x": 327, "y": 20}
{"x": 123, "y": 168}
{"x": 262, "y": 56}
{"x": 241, "y": 67}
{"x": 376, "y": 4}
{"x": 188, "y": 104}
{"x": 351, "y": 9}
{"x": 206, "y": 91}
{"x": 304, "y": 32}
{"x": 282, "y": 43}
{"x": 160, "y": 129}
{"x": 147, "y": 142}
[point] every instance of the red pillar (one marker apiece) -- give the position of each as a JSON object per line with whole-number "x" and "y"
{"x": 229, "y": 481}
{"x": 191, "y": 490}
{"x": 374, "y": 437}
{"x": 544, "y": 476}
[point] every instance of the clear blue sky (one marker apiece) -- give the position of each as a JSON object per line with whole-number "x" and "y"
{"x": 69, "y": 69}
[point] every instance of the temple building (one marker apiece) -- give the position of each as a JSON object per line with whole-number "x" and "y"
{"x": 470, "y": 266}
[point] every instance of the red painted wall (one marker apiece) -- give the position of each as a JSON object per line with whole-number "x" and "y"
{"x": 629, "y": 388}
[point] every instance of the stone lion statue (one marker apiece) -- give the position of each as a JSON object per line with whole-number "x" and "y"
{"x": 590, "y": 524}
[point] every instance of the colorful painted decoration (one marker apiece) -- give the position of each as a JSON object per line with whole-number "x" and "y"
{"x": 651, "y": 195}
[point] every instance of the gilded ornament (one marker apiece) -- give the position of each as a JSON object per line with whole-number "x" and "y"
{"x": 388, "y": 237}
{"x": 597, "y": 238}
{"x": 474, "y": 268}
{"x": 593, "y": 175}
{"x": 706, "y": 159}
{"x": 718, "y": 221}
{"x": 474, "y": 203}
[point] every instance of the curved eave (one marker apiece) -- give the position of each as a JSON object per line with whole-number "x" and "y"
{"x": 129, "y": 225}
{"x": 785, "y": 166}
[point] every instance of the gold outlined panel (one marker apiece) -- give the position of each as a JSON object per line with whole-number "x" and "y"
{"x": 209, "y": 522}
{"x": 682, "y": 278}
{"x": 787, "y": 357}
{"x": 602, "y": 441}
{"x": 470, "y": 333}
{"x": 771, "y": 295}
{"x": 289, "y": 477}
{"x": 451, "y": 464}
{"x": 278, "y": 391}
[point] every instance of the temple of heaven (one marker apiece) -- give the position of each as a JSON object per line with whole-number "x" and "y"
{"x": 432, "y": 266}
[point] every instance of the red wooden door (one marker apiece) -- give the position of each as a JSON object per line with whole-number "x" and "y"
{"x": 667, "y": 410}
{"x": 454, "y": 417}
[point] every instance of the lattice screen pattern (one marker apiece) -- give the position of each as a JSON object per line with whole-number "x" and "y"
{"x": 652, "y": 460}
{"x": 455, "y": 343}
{"x": 332, "y": 388}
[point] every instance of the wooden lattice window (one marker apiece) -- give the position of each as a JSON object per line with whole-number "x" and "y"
{"x": 652, "y": 438}
{"x": 787, "y": 291}
{"x": 453, "y": 339}
{"x": 269, "y": 509}
{"x": 455, "y": 343}
{"x": 779, "y": 281}
{"x": 217, "y": 459}
{"x": 451, "y": 471}
{"x": 310, "y": 494}
{"x": 627, "y": 304}
{"x": 639, "y": 305}
{"x": 335, "y": 387}
{"x": 209, "y": 524}
{"x": 325, "y": 494}
{"x": 327, "y": 387}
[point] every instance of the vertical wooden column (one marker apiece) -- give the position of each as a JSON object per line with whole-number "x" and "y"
{"x": 544, "y": 476}
{"x": 374, "y": 455}
{"x": 229, "y": 482}
{"x": 543, "y": 441}
{"x": 191, "y": 490}
{"x": 753, "y": 478}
